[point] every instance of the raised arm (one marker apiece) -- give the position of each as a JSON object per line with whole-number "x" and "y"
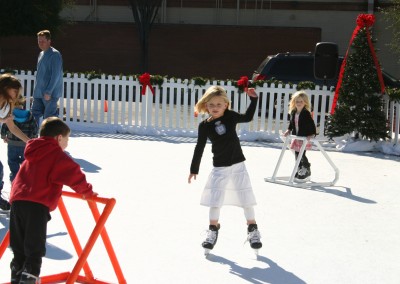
{"x": 248, "y": 116}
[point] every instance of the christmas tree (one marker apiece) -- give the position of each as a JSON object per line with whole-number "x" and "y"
{"x": 359, "y": 111}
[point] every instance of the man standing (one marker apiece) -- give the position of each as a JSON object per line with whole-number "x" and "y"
{"x": 49, "y": 78}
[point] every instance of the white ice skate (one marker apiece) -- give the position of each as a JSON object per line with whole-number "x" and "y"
{"x": 253, "y": 237}
{"x": 211, "y": 239}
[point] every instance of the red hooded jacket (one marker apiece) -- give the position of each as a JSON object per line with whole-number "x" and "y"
{"x": 44, "y": 172}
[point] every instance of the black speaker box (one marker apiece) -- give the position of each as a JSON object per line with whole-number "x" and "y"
{"x": 326, "y": 60}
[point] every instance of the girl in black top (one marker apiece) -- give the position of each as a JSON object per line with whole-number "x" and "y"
{"x": 228, "y": 182}
{"x": 301, "y": 124}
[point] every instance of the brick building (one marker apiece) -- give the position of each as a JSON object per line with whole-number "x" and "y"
{"x": 215, "y": 39}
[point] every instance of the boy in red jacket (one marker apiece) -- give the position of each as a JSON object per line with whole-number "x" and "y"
{"x": 35, "y": 193}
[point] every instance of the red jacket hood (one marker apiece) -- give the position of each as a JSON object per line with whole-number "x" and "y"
{"x": 46, "y": 169}
{"x": 38, "y": 149}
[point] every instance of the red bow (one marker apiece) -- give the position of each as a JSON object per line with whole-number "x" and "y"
{"x": 144, "y": 79}
{"x": 365, "y": 20}
{"x": 243, "y": 83}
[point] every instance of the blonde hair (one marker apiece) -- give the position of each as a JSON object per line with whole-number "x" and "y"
{"x": 213, "y": 91}
{"x": 20, "y": 102}
{"x": 299, "y": 94}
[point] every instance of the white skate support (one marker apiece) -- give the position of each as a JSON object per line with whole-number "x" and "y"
{"x": 290, "y": 181}
{"x": 206, "y": 252}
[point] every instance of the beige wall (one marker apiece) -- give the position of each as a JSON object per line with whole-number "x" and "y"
{"x": 336, "y": 26}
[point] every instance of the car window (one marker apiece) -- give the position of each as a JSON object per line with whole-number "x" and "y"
{"x": 298, "y": 68}
{"x": 263, "y": 64}
{"x": 292, "y": 68}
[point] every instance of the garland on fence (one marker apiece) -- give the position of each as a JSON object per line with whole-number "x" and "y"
{"x": 158, "y": 80}
{"x": 305, "y": 85}
{"x": 91, "y": 75}
{"x": 199, "y": 81}
{"x": 394, "y": 94}
{"x": 241, "y": 84}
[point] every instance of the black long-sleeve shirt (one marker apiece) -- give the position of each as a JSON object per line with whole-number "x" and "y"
{"x": 306, "y": 123}
{"x": 225, "y": 143}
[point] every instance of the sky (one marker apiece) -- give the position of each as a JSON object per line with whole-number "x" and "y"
{"x": 344, "y": 233}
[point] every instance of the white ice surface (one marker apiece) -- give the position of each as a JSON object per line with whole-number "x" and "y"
{"x": 347, "y": 233}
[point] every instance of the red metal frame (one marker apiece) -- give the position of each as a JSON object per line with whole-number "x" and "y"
{"x": 99, "y": 229}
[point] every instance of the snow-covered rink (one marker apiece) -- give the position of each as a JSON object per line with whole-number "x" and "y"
{"x": 348, "y": 233}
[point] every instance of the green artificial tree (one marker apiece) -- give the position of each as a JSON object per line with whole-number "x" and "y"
{"x": 359, "y": 111}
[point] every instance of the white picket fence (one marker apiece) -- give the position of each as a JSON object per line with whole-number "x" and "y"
{"x": 116, "y": 102}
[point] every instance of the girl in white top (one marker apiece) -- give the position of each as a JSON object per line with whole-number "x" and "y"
{"x": 10, "y": 88}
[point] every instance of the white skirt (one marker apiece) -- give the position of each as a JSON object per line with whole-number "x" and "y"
{"x": 228, "y": 186}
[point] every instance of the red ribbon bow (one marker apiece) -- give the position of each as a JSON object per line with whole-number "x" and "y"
{"x": 365, "y": 20}
{"x": 144, "y": 79}
{"x": 243, "y": 83}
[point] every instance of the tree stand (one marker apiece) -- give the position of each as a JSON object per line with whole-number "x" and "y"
{"x": 289, "y": 181}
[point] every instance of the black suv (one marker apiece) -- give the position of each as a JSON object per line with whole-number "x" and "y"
{"x": 297, "y": 67}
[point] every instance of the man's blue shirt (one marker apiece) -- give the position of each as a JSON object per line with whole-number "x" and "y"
{"x": 49, "y": 74}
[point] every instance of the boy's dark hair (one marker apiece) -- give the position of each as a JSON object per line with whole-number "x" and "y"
{"x": 53, "y": 126}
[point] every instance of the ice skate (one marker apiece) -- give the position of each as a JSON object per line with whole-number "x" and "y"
{"x": 15, "y": 275}
{"x": 303, "y": 175}
{"x": 27, "y": 278}
{"x": 253, "y": 237}
{"x": 211, "y": 239}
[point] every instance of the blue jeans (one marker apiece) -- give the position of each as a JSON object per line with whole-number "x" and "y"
{"x": 15, "y": 159}
{"x": 41, "y": 107}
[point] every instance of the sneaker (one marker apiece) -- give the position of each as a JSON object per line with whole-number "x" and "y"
{"x": 212, "y": 236}
{"x": 254, "y": 236}
{"x": 27, "y": 278}
{"x": 4, "y": 204}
